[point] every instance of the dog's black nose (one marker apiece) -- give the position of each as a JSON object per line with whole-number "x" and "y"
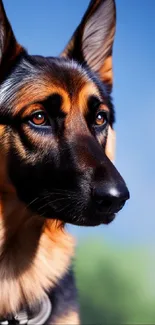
{"x": 110, "y": 199}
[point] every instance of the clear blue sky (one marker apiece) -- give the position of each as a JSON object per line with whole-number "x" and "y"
{"x": 44, "y": 27}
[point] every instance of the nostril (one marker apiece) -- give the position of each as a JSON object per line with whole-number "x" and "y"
{"x": 99, "y": 201}
{"x": 109, "y": 200}
{"x": 102, "y": 202}
{"x": 121, "y": 205}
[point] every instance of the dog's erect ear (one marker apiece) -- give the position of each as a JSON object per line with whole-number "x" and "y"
{"x": 9, "y": 48}
{"x": 92, "y": 41}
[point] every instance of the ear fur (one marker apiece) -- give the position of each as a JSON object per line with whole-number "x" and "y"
{"x": 9, "y": 48}
{"x": 92, "y": 42}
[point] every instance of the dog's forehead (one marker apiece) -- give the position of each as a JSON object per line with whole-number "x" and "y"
{"x": 36, "y": 78}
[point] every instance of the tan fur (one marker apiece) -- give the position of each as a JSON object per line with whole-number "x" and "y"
{"x": 5, "y": 185}
{"x": 39, "y": 89}
{"x": 34, "y": 254}
{"x": 88, "y": 90}
{"x": 111, "y": 143}
{"x": 72, "y": 318}
{"x": 31, "y": 93}
{"x": 106, "y": 71}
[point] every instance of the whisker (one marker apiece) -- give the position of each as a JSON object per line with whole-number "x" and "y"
{"x": 64, "y": 208}
{"x": 28, "y": 205}
{"x": 47, "y": 203}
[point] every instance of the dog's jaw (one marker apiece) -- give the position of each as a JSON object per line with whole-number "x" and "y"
{"x": 34, "y": 254}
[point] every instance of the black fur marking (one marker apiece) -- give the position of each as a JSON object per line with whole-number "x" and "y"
{"x": 64, "y": 296}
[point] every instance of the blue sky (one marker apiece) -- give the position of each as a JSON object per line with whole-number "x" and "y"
{"x": 44, "y": 27}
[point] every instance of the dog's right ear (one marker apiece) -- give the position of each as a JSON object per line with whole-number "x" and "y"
{"x": 92, "y": 42}
{"x": 9, "y": 48}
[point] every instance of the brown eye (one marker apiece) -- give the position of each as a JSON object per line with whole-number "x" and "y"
{"x": 39, "y": 118}
{"x": 100, "y": 118}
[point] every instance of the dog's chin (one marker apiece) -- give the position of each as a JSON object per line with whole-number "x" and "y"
{"x": 108, "y": 219}
{"x": 87, "y": 221}
{"x": 97, "y": 220}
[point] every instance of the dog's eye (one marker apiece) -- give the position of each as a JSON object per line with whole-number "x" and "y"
{"x": 100, "y": 118}
{"x": 39, "y": 118}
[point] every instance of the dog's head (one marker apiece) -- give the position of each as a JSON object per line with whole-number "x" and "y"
{"x": 56, "y": 123}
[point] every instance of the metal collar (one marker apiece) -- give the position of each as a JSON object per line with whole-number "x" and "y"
{"x": 38, "y": 315}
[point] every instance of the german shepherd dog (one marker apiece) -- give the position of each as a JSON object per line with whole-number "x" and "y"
{"x": 56, "y": 153}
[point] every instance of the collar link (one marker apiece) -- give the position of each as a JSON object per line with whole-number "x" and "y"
{"x": 39, "y": 316}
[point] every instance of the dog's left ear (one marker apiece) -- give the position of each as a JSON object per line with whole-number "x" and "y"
{"x": 92, "y": 41}
{"x": 9, "y": 48}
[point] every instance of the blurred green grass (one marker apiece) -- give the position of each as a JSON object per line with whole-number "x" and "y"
{"x": 116, "y": 284}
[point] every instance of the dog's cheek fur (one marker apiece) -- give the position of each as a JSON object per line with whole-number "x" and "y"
{"x": 5, "y": 184}
{"x": 47, "y": 244}
{"x": 23, "y": 280}
{"x": 38, "y": 174}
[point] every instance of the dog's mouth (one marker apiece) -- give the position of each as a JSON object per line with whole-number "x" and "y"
{"x": 108, "y": 219}
{"x": 97, "y": 221}
{"x": 100, "y": 219}
{"x": 89, "y": 216}
{"x": 71, "y": 207}
{"x": 93, "y": 220}
{"x": 74, "y": 212}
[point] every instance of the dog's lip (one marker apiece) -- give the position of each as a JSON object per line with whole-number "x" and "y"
{"x": 108, "y": 218}
{"x": 101, "y": 219}
{"x": 96, "y": 221}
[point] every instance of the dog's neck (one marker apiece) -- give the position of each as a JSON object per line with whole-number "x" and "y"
{"x": 34, "y": 254}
